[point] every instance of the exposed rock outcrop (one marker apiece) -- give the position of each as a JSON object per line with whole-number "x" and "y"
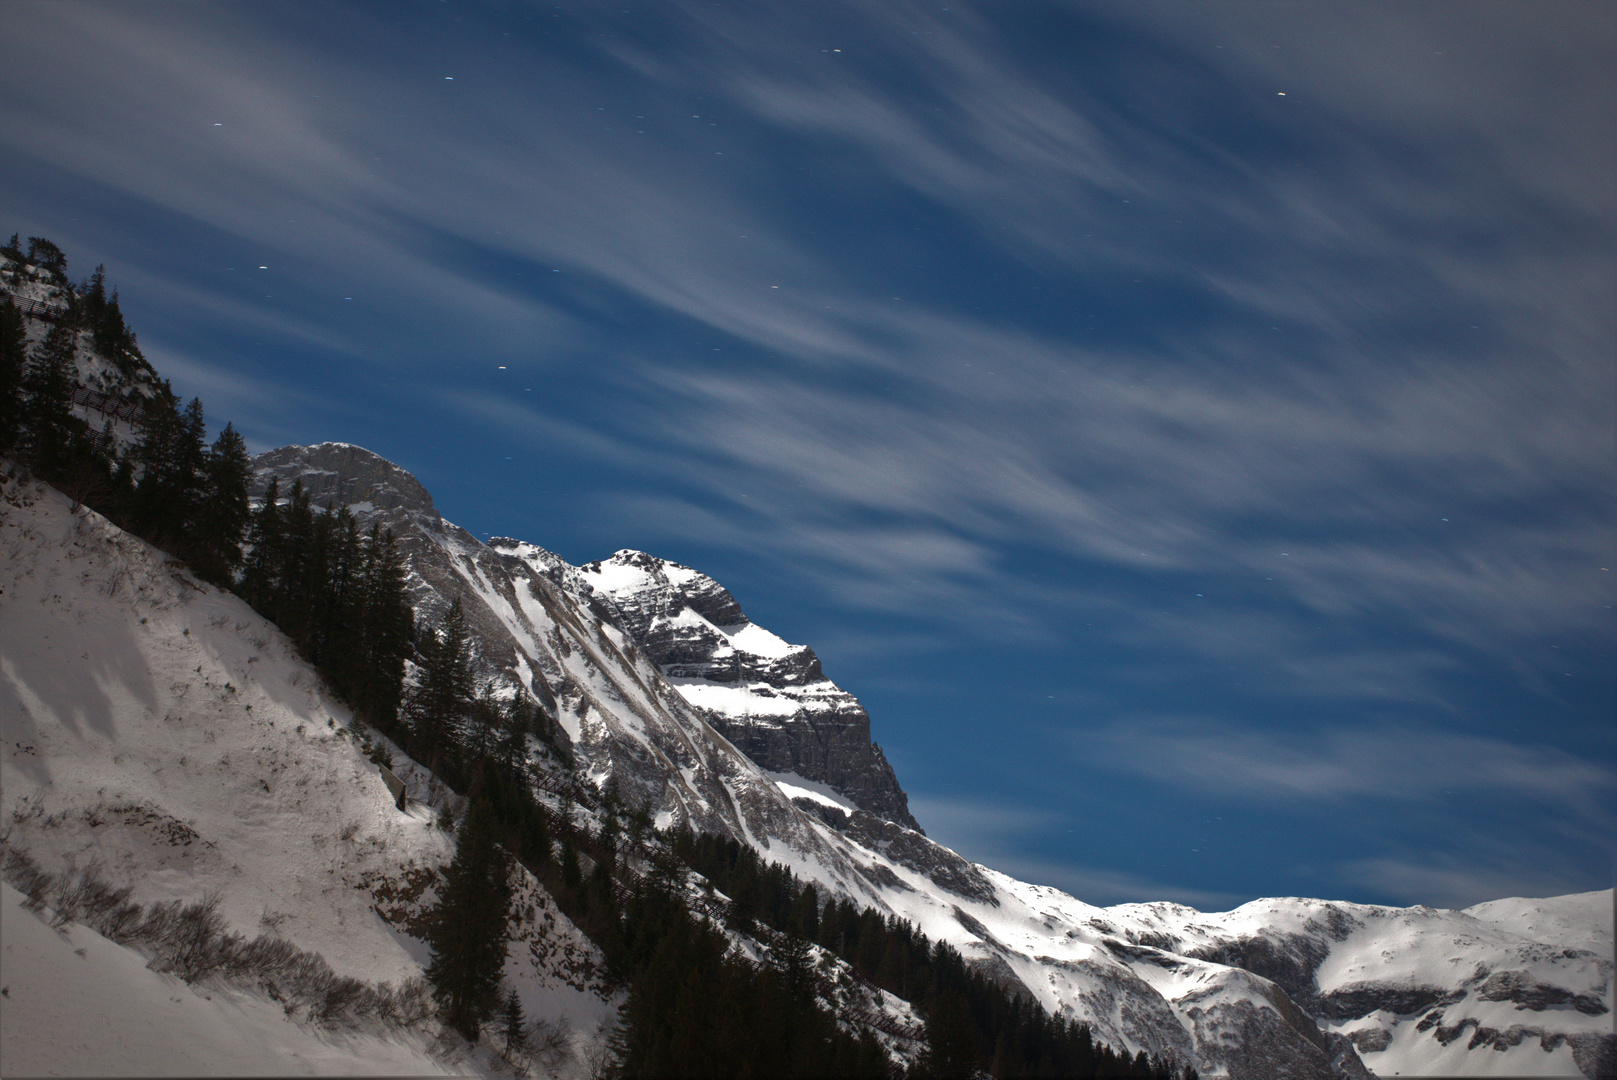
{"x": 769, "y": 698}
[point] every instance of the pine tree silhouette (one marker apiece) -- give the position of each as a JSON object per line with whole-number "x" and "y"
{"x": 468, "y": 926}
{"x": 13, "y": 360}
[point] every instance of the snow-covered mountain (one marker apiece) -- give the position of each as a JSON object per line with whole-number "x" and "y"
{"x": 665, "y": 689}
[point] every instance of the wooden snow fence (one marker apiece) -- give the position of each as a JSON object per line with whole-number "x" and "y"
{"x": 561, "y": 787}
{"x": 108, "y": 405}
{"x": 395, "y": 786}
{"x": 31, "y": 308}
{"x": 884, "y": 1023}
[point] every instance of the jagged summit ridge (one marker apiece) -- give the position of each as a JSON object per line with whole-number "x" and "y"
{"x": 768, "y": 697}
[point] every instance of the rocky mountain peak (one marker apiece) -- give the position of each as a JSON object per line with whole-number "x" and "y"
{"x": 767, "y": 696}
{"x": 345, "y": 475}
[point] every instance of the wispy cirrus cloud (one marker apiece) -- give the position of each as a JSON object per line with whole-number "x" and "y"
{"x": 1374, "y": 761}
{"x": 1459, "y": 882}
{"x": 989, "y": 324}
{"x": 1002, "y": 837}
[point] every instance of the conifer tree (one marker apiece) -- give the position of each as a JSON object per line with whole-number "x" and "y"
{"x": 515, "y": 721}
{"x": 48, "y": 257}
{"x": 511, "y": 1026}
{"x": 385, "y": 627}
{"x": 572, "y": 874}
{"x": 951, "y": 1038}
{"x": 13, "y": 362}
{"x": 215, "y": 545}
{"x": 444, "y": 697}
{"x": 173, "y": 471}
{"x": 93, "y": 293}
{"x": 48, "y": 420}
{"x": 333, "y": 629}
{"x": 486, "y": 718}
{"x": 467, "y": 934}
{"x": 258, "y": 576}
{"x": 297, "y": 563}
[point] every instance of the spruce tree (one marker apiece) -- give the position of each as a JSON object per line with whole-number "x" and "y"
{"x": 515, "y": 721}
{"x": 485, "y": 721}
{"x": 385, "y": 625}
{"x": 48, "y": 420}
{"x": 173, "y": 471}
{"x": 444, "y": 697}
{"x": 259, "y": 583}
{"x": 223, "y": 517}
{"x": 467, "y": 934}
{"x": 93, "y": 293}
{"x": 512, "y": 1026}
{"x": 951, "y": 1038}
{"x": 13, "y": 362}
{"x": 48, "y": 257}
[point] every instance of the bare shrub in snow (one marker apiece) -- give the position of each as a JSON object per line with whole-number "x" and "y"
{"x": 37, "y": 889}
{"x": 121, "y": 922}
{"x": 83, "y": 895}
{"x": 159, "y": 922}
{"x": 267, "y": 957}
{"x": 342, "y": 995}
{"x": 414, "y": 1002}
{"x": 378, "y": 1002}
{"x": 194, "y": 946}
{"x": 99, "y": 900}
{"x": 27, "y": 878}
{"x": 308, "y": 976}
{"x": 599, "y": 1059}
{"x": 192, "y": 941}
{"x": 550, "y": 1043}
{"x": 69, "y": 895}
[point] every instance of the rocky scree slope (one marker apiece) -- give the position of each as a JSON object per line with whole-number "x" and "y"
{"x": 612, "y": 650}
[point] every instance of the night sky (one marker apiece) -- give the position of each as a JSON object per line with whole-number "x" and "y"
{"x": 1188, "y": 428}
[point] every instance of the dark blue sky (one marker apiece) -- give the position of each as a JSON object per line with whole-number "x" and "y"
{"x": 1188, "y": 428}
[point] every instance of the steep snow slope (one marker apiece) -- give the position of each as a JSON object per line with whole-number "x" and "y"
{"x": 1239, "y": 994}
{"x": 161, "y": 727}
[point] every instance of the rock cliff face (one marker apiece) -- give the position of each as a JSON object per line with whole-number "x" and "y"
{"x": 767, "y": 697}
